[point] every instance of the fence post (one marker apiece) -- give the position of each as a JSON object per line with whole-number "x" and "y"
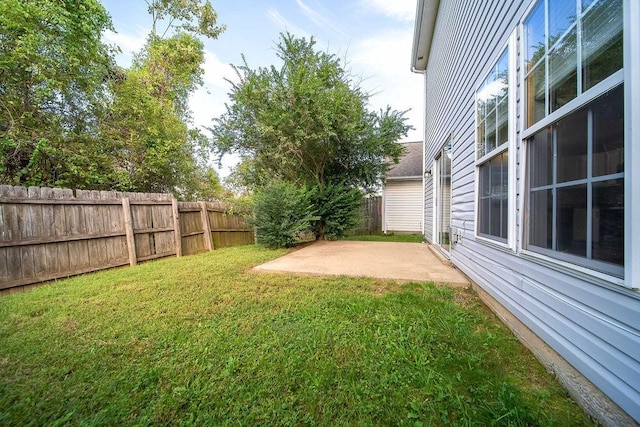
{"x": 128, "y": 226}
{"x": 177, "y": 234}
{"x": 206, "y": 226}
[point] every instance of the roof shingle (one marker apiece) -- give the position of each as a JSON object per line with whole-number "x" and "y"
{"x": 410, "y": 164}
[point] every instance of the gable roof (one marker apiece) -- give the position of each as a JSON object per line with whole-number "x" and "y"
{"x": 410, "y": 165}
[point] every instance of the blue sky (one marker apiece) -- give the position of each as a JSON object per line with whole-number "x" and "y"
{"x": 375, "y": 37}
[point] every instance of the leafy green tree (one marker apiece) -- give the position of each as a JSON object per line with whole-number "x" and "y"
{"x": 155, "y": 147}
{"x": 52, "y": 68}
{"x": 69, "y": 117}
{"x": 191, "y": 16}
{"x": 147, "y": 128}
{"x": 307, "y": 123}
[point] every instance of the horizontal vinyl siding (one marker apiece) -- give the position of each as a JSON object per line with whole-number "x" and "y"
{"x": 403, "y": 206}
{"x": 594, "y": 327}
{"x": 596, "y": 332}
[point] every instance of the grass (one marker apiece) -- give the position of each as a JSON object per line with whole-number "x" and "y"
{"x": 391, "y": 237}
{"x": 200, "y": 340}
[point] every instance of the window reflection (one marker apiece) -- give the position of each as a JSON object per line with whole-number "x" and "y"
{"x": 563, "y": 85}
{"x": 571, "y": 133}
{"x": 572, "y": 220}
{"x": 492, "y": 108}
{"x": 535, "y": 85}
{"x": 534, "y": 35}
{"x": 608, "y": 136}
{"x": 608, "y": 221}
{"x": 562, "y": 15}
{"x": 599, "y": 41}
{"x": 602, "y": 50}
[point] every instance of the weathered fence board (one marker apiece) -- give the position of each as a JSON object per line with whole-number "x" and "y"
{"x": 370, "y": 217}
{"x": 46, "y": 233}
{"x": 191, "y": 228}
{"x": 229, "y": 230}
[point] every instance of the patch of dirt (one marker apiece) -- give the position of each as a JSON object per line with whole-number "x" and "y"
{"x": 465, "y": 298}
{"x": 381, "y": 287}
{"x": 37, "y": 313}
{"x": 69, "y": 325}
{"x": 140, "y": 345}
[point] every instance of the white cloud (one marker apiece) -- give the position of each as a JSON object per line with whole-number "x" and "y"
{"x": 216, "y": 71}
{"x": 208, "y": 102}
{"x": 319, "y": 19}
{"x": 128, "y": 43}
{"x": 383, "y": 62}
{"x": 205, "y": 104}
{"x": 285, "y": 25}
{"x": 403, "y": 10}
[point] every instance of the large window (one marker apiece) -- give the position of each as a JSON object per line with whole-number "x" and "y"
{"x": 575, "y": 155}
{"x": 492, "y": 104}
{"x": 569, "y": 48}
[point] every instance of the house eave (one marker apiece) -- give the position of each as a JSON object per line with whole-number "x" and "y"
{"x": 426, "y": 14}
{"x": 404, "y": 178}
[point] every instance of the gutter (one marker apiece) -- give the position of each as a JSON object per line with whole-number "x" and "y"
{"x": 426, "y": 15}
{"x": 404, "y": 178}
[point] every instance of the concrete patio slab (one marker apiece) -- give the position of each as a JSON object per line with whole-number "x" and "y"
{"x": 385, "y": 260}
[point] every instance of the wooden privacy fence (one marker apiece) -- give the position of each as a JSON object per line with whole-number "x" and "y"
{"x": 47, "y": 233}
{"x": 370, "y": 217}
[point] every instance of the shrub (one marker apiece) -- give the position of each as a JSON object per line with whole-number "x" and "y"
{"x": 337, "y": 209}
{"x": 282, "y": 212}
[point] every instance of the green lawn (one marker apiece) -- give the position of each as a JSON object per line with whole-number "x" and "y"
{"x": 200, "y": 340}
{"x": 405, "y": 238}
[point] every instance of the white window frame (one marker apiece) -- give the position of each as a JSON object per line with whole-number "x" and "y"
{"x": 631, "y": 151}
{"x": 511, "y": 149}
{"x": 631, "y": 67}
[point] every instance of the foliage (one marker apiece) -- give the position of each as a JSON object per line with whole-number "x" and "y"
{"x": 337, "y": 208}
{"x": 190, "y": 16}
{"x": 172, "y": 70}
{"x": 307, "y": 123}
{"x": 207, "y": 186}
{"x": 198, "y": 341}
{"x": 69, "y": 117}
{"x": 282, "y": 213}
{"x": 52, "y": 64}
{"x": 153, "y": 148}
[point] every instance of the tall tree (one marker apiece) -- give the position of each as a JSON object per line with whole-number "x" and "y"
{"x": 155, "y": 146}
{"x": 307, "y": 122}
{"x": 52, "y": 66}
{"x": 69, "y": 117}
{"x": 148, "y": 125}
{"x": 191, "y": 16}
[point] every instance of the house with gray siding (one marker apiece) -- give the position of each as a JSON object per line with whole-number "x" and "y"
{"x": 402, "y": 193}
{"x": 532, "y": 177}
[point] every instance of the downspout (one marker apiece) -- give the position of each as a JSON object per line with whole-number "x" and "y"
{"x": 384, "y": 208}
{"x": 422, "y": 38}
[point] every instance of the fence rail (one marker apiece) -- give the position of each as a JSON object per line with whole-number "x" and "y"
{"x": 50, "y": 233}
